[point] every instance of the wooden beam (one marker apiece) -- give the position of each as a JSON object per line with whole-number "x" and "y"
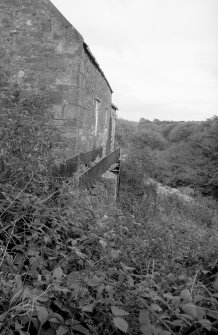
{"x": 68, "y": 168}
{"x": 89, "y": 177}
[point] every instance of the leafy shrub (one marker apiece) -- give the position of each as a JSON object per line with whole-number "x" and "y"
{"x": 27, "y": 142}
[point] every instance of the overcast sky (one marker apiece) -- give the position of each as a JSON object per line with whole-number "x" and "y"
{"x": 160, "y": 56}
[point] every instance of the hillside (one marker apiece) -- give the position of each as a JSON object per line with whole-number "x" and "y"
{"x": 149, "y": 265}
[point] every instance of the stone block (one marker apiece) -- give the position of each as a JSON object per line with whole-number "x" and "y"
{"x": 75, "y": 63}
{"x": 56, "y": 36}
{"x": 3, "y": 52}
{"x": 47, "y": 49}
{"x": 69, "y": 132}
{"x": 63, "y": 78}
{"x": 71, "y": 123}
{"x": 55, "y": 97}
{"x": 56, "y": 62}
{"x": 75, "y": 96}
{"x": 46, "y": 26}
{"x": 6, "y": 23}
{"x": 68, "y": 78}
{"x": 47, "y": 77}
{"x": 38, "y": 65}
{"x": 57, "y": 113}
{"x": 64, "y": 47}
{"x": 36, "y": 35}
{"x": 68, "y": 112}
{"x": 25, "y": 51}
{"x": 71, "y": 112}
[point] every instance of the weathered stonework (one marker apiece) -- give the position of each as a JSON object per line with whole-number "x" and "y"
{"x": 40, "y": 51}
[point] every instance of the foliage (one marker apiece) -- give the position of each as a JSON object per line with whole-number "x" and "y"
{"x": 124, "y": 130}
{"x": 150, "y": 139}
{"x": 177, "y": 236}
{"x": 182, "y": 131}
{"x": 69, "y": 267}
{"x": 210, "y": 152}
{"x": 26, "y": 143}
{"x": 177, "y": 153}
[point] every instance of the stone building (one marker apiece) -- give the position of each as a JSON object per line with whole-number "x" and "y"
{"x": 40, "y": 51}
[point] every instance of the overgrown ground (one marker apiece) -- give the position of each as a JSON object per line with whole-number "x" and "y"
{"x": 68, "y": 266}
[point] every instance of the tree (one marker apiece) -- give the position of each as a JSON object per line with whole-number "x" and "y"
{"x": 124, "y": 131}
{"x": 182, "y": 131}
{"x": 149, "y": 138}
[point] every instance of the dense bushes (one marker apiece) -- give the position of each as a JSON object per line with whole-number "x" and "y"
{"x": 147, "y": 266}
{"x": 175, "y": 153}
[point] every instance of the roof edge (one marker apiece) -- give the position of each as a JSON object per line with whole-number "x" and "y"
{"x": 86, "y": 47}
{"x": 114, "y": 106}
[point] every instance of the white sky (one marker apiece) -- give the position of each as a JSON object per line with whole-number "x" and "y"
{"x": 160, "y": 56}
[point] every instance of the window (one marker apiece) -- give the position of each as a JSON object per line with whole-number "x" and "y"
{"x": 97, "y": 107}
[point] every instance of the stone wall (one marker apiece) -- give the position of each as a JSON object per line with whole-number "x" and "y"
{"x": 95, "y": 90}
{"x": 41, "y": 52}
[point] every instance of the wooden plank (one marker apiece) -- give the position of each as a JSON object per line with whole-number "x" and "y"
{"x": 89, "y": 177}
{"x": 68, "y": 168}
{"x": 87, "y": 157}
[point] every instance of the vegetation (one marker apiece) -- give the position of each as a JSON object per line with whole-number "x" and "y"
{"x": 175, "y": 153}
{"x": 68, "y": 266}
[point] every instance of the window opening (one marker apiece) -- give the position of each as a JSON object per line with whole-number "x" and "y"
{"x": 97, "y": 106}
